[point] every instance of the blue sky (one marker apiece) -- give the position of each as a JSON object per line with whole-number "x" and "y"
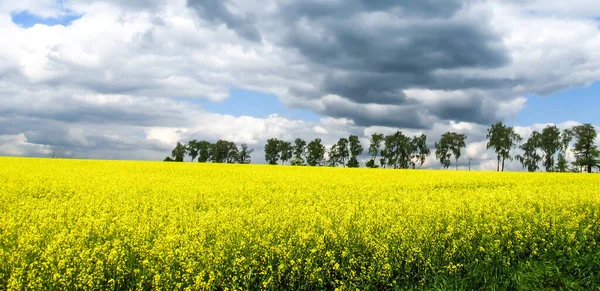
{"x": 26, "y": 19}
{"x": 576, "y": 104}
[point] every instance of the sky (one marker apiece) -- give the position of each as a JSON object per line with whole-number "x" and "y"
{"x": 107, "y": 79}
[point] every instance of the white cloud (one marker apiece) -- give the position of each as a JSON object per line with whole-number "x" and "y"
{"x": 100, "y": 87}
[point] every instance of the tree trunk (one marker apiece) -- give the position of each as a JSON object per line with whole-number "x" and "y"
{"x": 502, "y": 164}
{"x": 589, "y": 168}
{"x": 498, "y": 168}
{"x": 456, "y": 164}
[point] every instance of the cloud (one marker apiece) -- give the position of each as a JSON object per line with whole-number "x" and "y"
{"x": 103, "y": 85}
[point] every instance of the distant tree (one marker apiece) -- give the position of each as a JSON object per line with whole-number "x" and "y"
{"x": 342, "y": 151}
{"x": 244, "y": 155}
{"x": 192, "y": 149}
{"x": 550, "y": 144}
{"x": 470, "y": 159}
{"x": 530, "y": 158}
{"x": 586, "y": 152}
{"x": 420, "y": 151}
{"x": 294, "y": 161}
{"x": 565, "y": 141}
{"x": 299, "y": 151}
{"x": 285, "y": 151}
{"x": 355, "y": 149}
{"x": 333, "y": 156}
{"x": 450, "y": 144}
{"x": 374, "y": 149}
{"x": 222, "y": 152}
{"x": 204, "y": 151}
{"x": 502, "y": 139}
{"x": 168, "y": 159}
{"x": 388, "y": 154}
{"x": 272, "y": 151}
{"x": 315, "y": 153}
{"x": 178, "y": 152}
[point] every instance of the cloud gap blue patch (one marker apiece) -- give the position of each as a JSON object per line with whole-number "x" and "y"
{"x": 27, "y": 20}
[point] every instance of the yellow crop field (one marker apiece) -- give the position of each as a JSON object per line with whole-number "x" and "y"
{"x": 75, "y": 224}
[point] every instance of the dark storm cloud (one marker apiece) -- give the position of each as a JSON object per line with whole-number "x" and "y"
{"x": 370, "y": 51}
{"x": 217, "y": 11}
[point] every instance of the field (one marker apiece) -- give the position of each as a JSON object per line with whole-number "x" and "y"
{"x": 74, "y": 224}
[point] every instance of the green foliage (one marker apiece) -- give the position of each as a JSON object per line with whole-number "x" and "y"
{"x": 299, "y": 150}
{"x": 178, "y": 152}
{"x": 530, "y": 158}
{"x": 272, "y": 151}
{"x": 374, "y": 149}
{"x": 450, "y": 144}
{"x": 342, "y": 154}
{"x": 244, "y": 155}
{"x": 315, "y": 153}
{"x": 356, "y": 149}
{"x": 586, "y": 152}
{"x": 285, "y": 151}
{"x": 550, "y": 144}
{"x": 502, "y": 139}
{"x": 420, "y": 151}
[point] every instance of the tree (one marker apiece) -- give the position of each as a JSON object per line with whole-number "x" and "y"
{"x": 585, "y": 150}
{"x": 550, "y": 144}
{"x": 495, "y": 135}
{"x": 232, "y": 153}
{"x": 530, "y": 158}
{"x": 178, "y": 152}
{"x": 315, "y": 153}
{"x": 342, "y": 151}
{"x": 511, "y": 139}
{"x": 420, "y": 150}
{"x": 299, "y": 152}
{"x": 388, "y": 154}
{"x": 502, "y": 139}
{"x": 243, "y": 156}
{"x": 204, "y": 151}
{"x": 374, "y": 149}
{"x": 334, "y": 156}
{"x": 192, "y": 149}
{"x": 168, "y": 159}
{"x": 565, "y": 141}
{"x": 294, "y": 161}
{"x": 272, "y": 151}
{"x": 356, "y": 149}
{"x": 223, "y": 151}
{"x": 285, "y": 151}
{"x": 450, "y": 144}
{"x": 443, "y": 153}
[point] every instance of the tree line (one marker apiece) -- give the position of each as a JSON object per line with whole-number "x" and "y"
{"x": 220, "y": 152}
{"x": 550, "y": 148}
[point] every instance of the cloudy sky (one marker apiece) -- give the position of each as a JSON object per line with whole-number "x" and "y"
{"x": 115, "y": 79}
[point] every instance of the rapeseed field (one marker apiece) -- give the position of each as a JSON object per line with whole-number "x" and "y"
{"x": 76, "y": 224}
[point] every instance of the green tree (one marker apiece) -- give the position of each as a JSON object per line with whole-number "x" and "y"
{"x": 272, "y": 151}
{"x": 232, "y": 153}
{"x": 244, "y": 155}
{"x": 333, "y": 156}
{"x": 565, "y": 141}
{"x": 530, "y": 158}
{"x": 221, "y": 151}
{"x": 192, "y": 149}
{"x": 204, "y": 151}
{"x": 502, "y": 139}
{"x": 285, "y": 151}
{"x": 450, "y": 144}
{"x": 315, "y": 153}
{"x": 343, "y": 152}
{"x": 420, "y": 151}
{"x": 550, "y": 144}
{"x": 178, "y": 152}
{"x": 299, "y": 152}
{"x": 585, "y": 150}
{"x": 356, "y": 149}
{"x": 374, "y": 149}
